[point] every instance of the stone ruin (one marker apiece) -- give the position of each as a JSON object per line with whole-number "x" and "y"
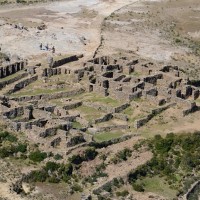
{"x": 129, "y": 80}
{"x": 123, "y": 79}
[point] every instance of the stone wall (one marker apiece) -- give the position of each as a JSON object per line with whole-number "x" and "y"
{"x": 193, "y": 108}
{"x": 121, "y": 108}
{"x": 70, "y": 118}
{"x": 105, "y": 118}
{"x": 11, "y": 68}
{"x": 50, "y": 96}
{"x": 153, "y": 78}
{"x": 23, "y": 84}
{"x": 141, "y": 122}
{"x": 72, "y": 105}
{"x": 120, "y": 116}
{"x": 15, "y": 112}
{"x": 109, "y": 109}
{"x": 112, "y": 128}
{"x": 48, "y": 72}
{"x": 12, "y": 80}
{"x": 48, "y": 108}
{"x": 135, "y": 95}
{"x": 49, "y": 132}
{"x": 55, "y": 142}
{"x": 65, "y": 60}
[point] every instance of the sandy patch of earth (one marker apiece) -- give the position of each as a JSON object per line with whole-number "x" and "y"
{"x": 66, "y": 29}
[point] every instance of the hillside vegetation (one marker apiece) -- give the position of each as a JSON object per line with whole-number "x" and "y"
{"x": 176, "y": 160}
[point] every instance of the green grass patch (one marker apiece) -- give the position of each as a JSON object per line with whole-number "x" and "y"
{"x": 76, "y": 125}
{"x": 104, "y": 136}
{"x": 89, "y": 112}
{"x": 38, "y": 92}
{"x": 136, "y": 74}
{"x": 105, "y": 100}
{"x": 158, "y": 185}
{"x": 58, "y": 102}
{"x": 10, "y": 77}
{"x": 197, "y": 101}
{"x": 92, "y": 97}
{"x": 128, "y": 111}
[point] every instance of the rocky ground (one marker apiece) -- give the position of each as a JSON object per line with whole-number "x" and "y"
{"x": 70, "y": 26}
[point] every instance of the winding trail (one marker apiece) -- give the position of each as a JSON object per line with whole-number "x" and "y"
{"x": 102, "y": 25}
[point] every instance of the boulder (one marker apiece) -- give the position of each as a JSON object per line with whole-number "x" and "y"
{"x": 42, "y": 27}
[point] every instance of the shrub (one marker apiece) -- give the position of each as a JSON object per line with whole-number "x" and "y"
{"x": 108, "y": 187}
{"x": 68, "y": 169}
{"x": 7, "y": 136}
{"x": 100, "y": 167}
{"x": 90, "y": 154}
{"x": 37, "y": 156}
{"x": 138, "y": 187}
{"x": 116, "y": 182}
{"x": 58, "y": 157}
{"x": 38, "y": 176}
{"x": 163, "y": 145}
{"x": 122, "y": 193}
{"x": 4, "y": 152}
{"x": 76, "y": 159}
{"x": 54, "y": 179}
{"x": 177, "y": 40}
{"x": 21, "y": 148}
{"x": 103, "y": 157}
{"x": 52, "y": 166}
{"x": 122, "y": 155}
{"x": 77, "y": 188}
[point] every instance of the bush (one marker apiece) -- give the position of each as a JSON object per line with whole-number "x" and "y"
{"x": 4, "y": 152}
{"x": 37, "y": 156}
{"x": 77, "y": 188}
{"x": 116, "y": 182}
{"x": 122, "y": 193}
{"x": 21, "y": 148}
{"x": 174, "y": 154}
{"x": 68, "y": 169}
{"x": 54, "y": 179}
{"x": 90, "y": 154}
{"x": 122, "y": 156}
{"x": 58, "y": 157}
{"x": 108, "y": 187}
{"x": 177, "y": 40}
{"x": 103, "y": 157}
{"x": 163, "y": 146}
{"x": 138, "y": 187}
{"x": 7, "y": 136}
{"x": 38, "y": 176}
{"x": 52, "y": 166}
{"x": 76, "y": 159}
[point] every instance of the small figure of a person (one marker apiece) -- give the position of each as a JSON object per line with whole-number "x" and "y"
{"x": 40, "y": 46}
{"x": 47, "y": 47}
{"x": 53, "y": 49}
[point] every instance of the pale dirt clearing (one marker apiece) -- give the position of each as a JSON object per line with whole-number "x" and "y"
{"x": 66, "y": 29}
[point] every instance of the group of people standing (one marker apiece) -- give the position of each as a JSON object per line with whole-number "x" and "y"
{"x": 46, "y": 47}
